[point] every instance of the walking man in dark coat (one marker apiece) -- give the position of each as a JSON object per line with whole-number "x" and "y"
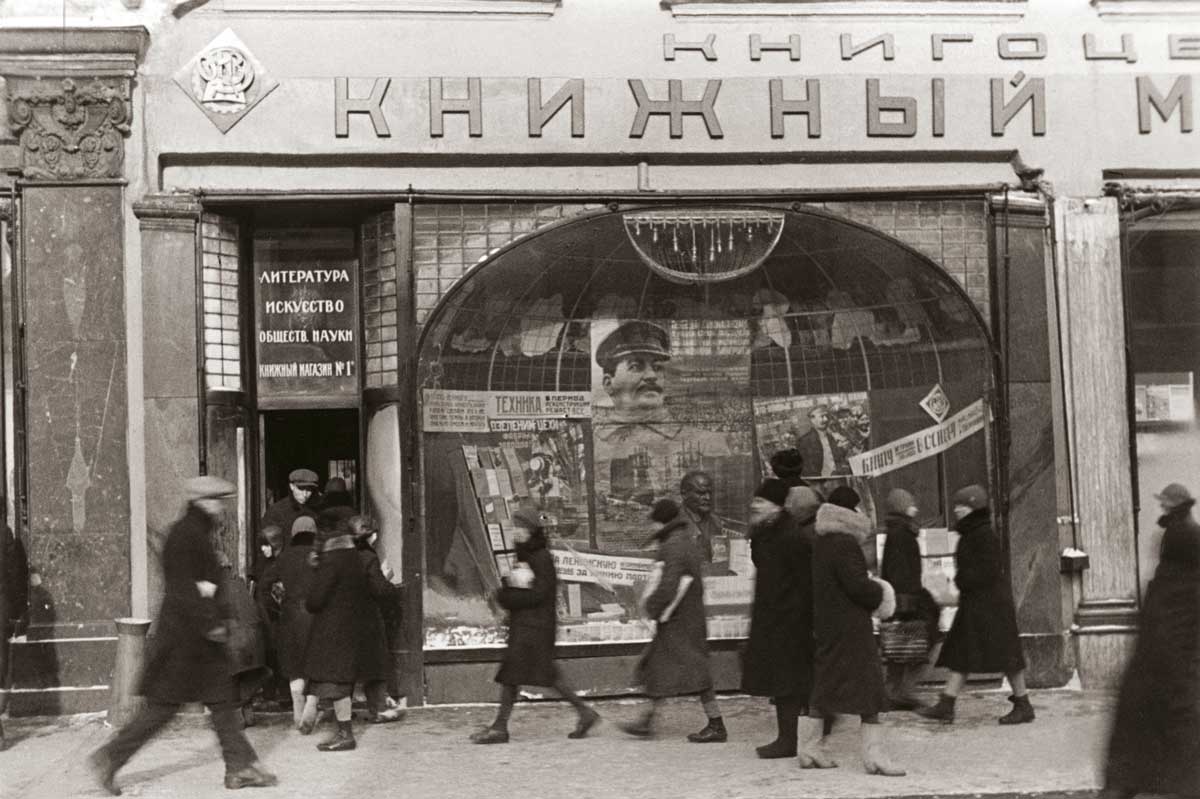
{"x": 529, "y": 595}
{"x": 302, "y": 489}
{"x": 779, "y": 654}
{"x": 676, "y": 661}
{"x": 1155, "y": 743}
{"x": 983, "y": 636}
{"x": 187, "y": 661}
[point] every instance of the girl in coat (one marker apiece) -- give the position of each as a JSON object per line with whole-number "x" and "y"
{"x": 374, "y": 664}
{"x": 529, "y": 595}
{"x": 779, "y": 653}
{"x": 676, "y": 661}
{"x": 901, "y": 568}
{"x": 337, "y": 599}
{"x": 1155, "y": 742}
{"x": 295, "y": 573}
{"x": 984, "y": 634}
{"x": 848, "y": 676}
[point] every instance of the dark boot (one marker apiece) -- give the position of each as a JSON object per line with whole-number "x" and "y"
{"x": 587, "y": 720}
{"x": 943, "y": 711}
{"x": 1022, "y": 712}
{"x": 784, "y": 745}
{"x": 713, "y": 733}
{"x": 642, "y": 728}
{"x": 250, "y": 777}
{"x": 490, "y": 735}
{"x": 342, "y": 741}
{"x": 102, "y": 769}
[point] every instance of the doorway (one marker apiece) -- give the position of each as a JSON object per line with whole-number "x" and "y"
{"x": 325, "y": 441}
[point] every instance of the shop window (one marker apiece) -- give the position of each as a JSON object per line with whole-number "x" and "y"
{"x": 586, "y": 370}
{"x": 222, "y": 326}
{"x": 1162, "y": 290}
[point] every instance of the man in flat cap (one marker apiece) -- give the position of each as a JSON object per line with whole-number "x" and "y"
{"x": 302, "y": 487}
{"x": 188, "y": 660}
{"x": 631, "y": 359}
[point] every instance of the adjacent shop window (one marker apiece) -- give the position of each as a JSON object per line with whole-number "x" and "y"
{"x": 380, "y": 300}
{"x": 222, "y": 334}
{"x": 605, "y": 362}
{"x": 1162, "y": 289}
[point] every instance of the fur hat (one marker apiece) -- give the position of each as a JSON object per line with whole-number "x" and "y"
{"x": 773, "y": 490}
{"x": 836, "y": 519}
{"x": 845, "y": 497}
{"x": 900, "y": 501}
{"x": 973, "y": 496}
{"x": 787, "y": 464}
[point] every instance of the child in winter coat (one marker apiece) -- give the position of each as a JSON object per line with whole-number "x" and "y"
{"x": 529, "y": 595}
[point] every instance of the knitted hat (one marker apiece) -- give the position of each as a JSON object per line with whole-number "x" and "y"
{"x": 664, "y": 511}
{"x": 899, "y": 501}
{"x": 973, "y": 496}
{"x": 773, "y": 490}
{"x": 802, "y": 502}
{"x": 846, "y": 497}
{"x": 304, "y": 524}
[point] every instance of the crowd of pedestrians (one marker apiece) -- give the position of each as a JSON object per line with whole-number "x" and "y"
{"x": 828, "y": 636}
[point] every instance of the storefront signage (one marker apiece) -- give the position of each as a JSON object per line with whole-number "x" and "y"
{"x": 587, "y": 567}
{"x": 921, "y": 445}
{"x": 449, "y": 411}
{"x": 306, "y": 318}
{"x": 895, "y": 113}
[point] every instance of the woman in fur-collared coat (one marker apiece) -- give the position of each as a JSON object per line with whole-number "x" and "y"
{"x": 848, "y": 676}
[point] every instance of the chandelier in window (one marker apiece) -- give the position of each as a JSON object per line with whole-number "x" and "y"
{"x": 704, "y": 245}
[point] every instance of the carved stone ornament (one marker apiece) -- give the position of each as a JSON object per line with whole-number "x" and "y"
{"x": 225, "y": 80}
{"x": 68, "y": 130}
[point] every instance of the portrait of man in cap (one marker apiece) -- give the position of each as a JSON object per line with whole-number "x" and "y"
{"x": 632, "y": 359}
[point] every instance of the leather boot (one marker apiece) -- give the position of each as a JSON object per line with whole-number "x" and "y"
{"x": 943, "y": 711}
{"x": 587, "y": 720}
{"x": 713, "y": 733}
{"x": 101, "y": 767}
{"x": 490, "y": 735}
{"x": 1022, "y": 712}
{"x": 342, "y": 741}
{"x": 875, "y": 759}
{"x": 250, "y": 777}
{"x": 784, "y": 745}
{"x": 812, "y": 753}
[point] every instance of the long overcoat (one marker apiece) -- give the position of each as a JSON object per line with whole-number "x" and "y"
{"x": 532, "y": 620}
{"x": 297, "y": 572}
{"x": 901, "y": 567}
{"x": 339, "y": 595}
{"x": 374, "y": 661}
{"x": 183, "y": 665}
{"x": 1154, "y": 747}
{"x": 675, "y": 662}
{"x": 983, "y": 637}
{"x": 778, "y": 660}
{"x": 848, "y": 673}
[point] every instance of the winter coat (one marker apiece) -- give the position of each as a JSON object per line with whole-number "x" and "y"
{"x": 778, "y": 659}
{"x": 901, "y": 567}
{"x": 676, "y": 661}
{"x": 296, "y": 571}
{"x": 337, "y": 598}
{"x": 283, "y": 513}
{"x": 983, "y": 637}
{"x": 848, "y": 674}
{"x": 374, "y": 659}
{"x": 183, "y": 665}
{"x": 532, "y": 620}
{"x": 1155, "y": 741}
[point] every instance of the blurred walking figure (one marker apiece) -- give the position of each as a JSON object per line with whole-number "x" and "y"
{"x": 675, "y": 663}
{"x": 1155, "y": 742}
{"x": 983, "y": 637}
{"x": 296, "y": 571}
{"x": 188, "y": 661}
{"x": 907, "y": 637}
{"x": 337, "y": 598}
{"x": 374, "y": 664}
{"x": 778, "y": 661}
{"x": 529, "y": 595}
{"x": 848, "y": 674}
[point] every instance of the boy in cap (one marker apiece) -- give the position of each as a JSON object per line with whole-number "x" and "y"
{"x": 187, "y": 661}
{"x": 983, "y": 636}
{"x": 302, "y": 487}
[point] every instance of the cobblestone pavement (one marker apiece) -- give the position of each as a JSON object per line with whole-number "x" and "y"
{"x": 427, "y": 755}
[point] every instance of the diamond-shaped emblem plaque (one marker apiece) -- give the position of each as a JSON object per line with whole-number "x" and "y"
{"x": 936, "y": 404}
{"x": 225, "y": 80}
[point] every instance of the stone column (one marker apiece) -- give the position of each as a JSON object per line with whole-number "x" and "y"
{"x": 68, "y": 107}
{"x": 1094, "y": 329}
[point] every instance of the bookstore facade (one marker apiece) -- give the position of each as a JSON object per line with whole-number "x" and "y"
{"x": 466, "y": 285}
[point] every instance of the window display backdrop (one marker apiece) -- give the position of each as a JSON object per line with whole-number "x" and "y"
{"x": 605, "y": 362}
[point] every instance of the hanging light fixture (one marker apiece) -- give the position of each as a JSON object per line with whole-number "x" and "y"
{"x": 704, "y": 245}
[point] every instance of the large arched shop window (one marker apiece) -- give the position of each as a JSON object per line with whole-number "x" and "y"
{"x": 749, "y": 325}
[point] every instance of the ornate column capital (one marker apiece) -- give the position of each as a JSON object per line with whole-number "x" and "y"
{"x": 70, "y": 128}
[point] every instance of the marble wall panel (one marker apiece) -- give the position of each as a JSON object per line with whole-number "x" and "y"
{"x": 168, "y": 311}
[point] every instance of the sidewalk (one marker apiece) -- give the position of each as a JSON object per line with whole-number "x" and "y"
{"x": 427, "y": 755}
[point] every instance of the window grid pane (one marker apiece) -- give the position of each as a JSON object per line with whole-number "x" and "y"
{"x": 380, "y": 299}
{"x": 221, "y": 292}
